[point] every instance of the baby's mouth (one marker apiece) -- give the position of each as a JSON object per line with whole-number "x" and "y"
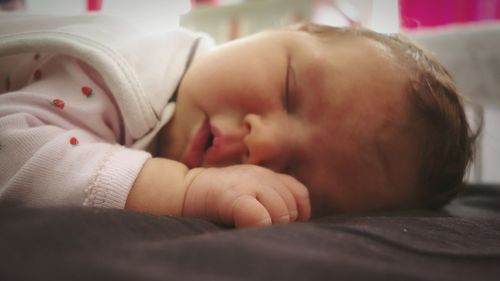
{"x": 210, "y": 141}
{"x": 209, "y": 146}
{"x": 198, "y": 145}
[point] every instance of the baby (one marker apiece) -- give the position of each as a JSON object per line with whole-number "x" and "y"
{"x": 277, "y": 127}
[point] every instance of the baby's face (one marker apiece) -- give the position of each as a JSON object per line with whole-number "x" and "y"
{"x": 330, "y": 114}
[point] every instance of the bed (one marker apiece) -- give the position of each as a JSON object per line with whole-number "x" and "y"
{"x": 459, "y": 242}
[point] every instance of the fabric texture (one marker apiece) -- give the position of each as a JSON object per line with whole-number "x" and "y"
{"x": 80, "y": 102}
{"x": 461, "y": 242}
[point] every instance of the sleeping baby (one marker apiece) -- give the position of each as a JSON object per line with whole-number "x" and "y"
{"x": 280, "y": 126}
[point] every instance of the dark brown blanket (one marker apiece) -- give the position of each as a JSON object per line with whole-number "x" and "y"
{"x": 461, "y": 242}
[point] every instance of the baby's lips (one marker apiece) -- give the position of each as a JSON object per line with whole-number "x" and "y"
{"x": 225, "y": 149}
{"x": 193, "y": 156}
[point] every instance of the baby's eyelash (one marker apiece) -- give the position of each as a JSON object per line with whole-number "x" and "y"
{"x": 286, "y": 95}
{"x": 291, "y": 94}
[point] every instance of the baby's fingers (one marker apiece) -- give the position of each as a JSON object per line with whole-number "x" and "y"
{"x": 248, "y": 212}
{"x": 301, "y": 195}
{"x": 279, "y": 202}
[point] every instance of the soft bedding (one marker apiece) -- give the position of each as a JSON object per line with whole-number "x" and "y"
{"x": 460, "y": 242}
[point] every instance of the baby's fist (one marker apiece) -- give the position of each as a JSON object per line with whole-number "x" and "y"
{"x": 244, "y": 196}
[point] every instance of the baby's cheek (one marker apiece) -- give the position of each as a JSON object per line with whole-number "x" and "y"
{"x": 323, "y": 200}
{"x": 349, "y": 197}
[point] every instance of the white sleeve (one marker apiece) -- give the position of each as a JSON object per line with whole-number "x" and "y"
{"x": 59, "y": 138}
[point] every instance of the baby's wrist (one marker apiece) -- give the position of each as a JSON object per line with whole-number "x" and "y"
{"x": 159, "y": 188}
{"x": 189, "y": 178}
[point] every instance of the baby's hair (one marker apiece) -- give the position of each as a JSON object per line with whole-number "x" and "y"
{"x": 437, "y": 113}
{"x": 438, "y": 108}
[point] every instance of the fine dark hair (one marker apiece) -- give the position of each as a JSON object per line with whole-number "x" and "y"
{"x": 446, "y": 142}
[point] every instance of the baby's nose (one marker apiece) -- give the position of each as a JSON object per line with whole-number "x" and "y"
{"x": 265, "y": 143}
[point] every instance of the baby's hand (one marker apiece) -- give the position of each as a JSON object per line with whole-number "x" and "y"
{"x": 244, "y": 196}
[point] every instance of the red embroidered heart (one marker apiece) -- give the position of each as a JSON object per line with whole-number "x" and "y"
{"x": 38, "y": 74}
{"x": 58, "y": 103}
{"x": 87, "y": 91}
{"x": 73, "y": 141}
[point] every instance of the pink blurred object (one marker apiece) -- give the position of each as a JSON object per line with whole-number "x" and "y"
{"x": 94, "y": 5}
{"x": 204, "y": 2}
{"x": 428, "y": 13}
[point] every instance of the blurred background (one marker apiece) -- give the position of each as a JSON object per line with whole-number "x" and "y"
{"x": 226, "y": 20}
{"x": 229, "y": 19}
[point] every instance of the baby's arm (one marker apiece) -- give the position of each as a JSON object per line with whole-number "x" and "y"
{"x": 240, "y": 195}
{"x": 159, "y": 188}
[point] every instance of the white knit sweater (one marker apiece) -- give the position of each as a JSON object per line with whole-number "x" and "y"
{"x": 81, "y": 99}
